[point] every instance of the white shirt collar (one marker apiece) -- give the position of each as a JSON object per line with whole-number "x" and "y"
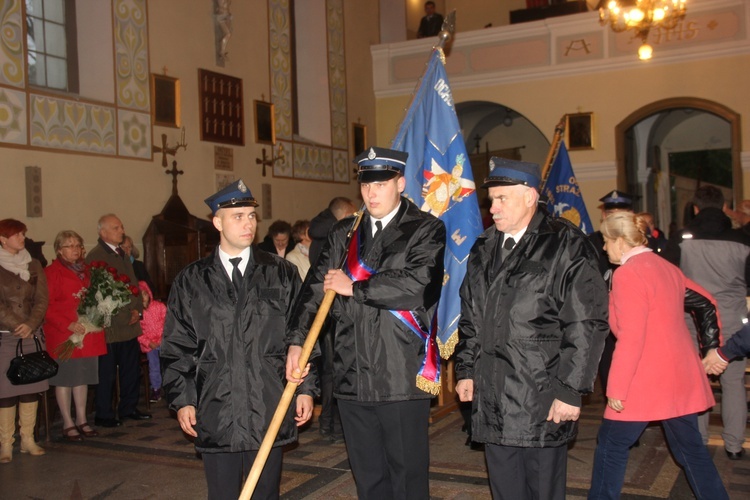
{"x": 228, "y": 267}
{"x": 385, "y": 220}
{"x": 516, "y": 237}
{"x": 113, "y": 247}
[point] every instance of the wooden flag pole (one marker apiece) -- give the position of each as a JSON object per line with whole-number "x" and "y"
{"x": 554, "y": 146}
{"x": 291, "y": 387}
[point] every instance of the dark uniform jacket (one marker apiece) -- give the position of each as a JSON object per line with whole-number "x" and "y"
{"x": 227, "y": 357}
{"x": 119, "y": 330}
{"x": 532, "y": 334}
{"x": 377, "y": 357}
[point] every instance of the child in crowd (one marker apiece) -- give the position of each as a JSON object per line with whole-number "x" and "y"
{"x": 152, "y": 324}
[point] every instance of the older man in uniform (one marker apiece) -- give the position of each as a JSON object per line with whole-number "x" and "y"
{"x": 223, "y": 350}
{"x": 383, "y": 316}
{"x": 532, "y": 328}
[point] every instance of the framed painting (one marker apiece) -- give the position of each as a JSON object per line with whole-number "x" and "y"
{"x": 165, "y": 100}
{"x": 265, "y": 124}
{"x": 359, "y": 138}
{"x": 579, "y": 129}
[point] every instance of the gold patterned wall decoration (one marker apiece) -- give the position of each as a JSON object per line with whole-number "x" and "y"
{"x": 11, "y": 43}
{"x": 12, "y": 116}
{"x": 131, "y": 54}
{"x": 342, "y": 166}
{"x": 71, "y": 125}
{"x": 280, "y": 60}
{"x": 306, "y": 161}
{"x": 313, "y": 163}
{"x": 134, "y": 134}
{"x": 337, "y": 73}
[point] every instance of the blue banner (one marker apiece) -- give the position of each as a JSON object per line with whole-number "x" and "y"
{"x": 440, "y": 181}
{"x": 563, "y": 193}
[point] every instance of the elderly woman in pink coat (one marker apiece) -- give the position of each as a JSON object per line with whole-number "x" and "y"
{"x": 656, "y": 372}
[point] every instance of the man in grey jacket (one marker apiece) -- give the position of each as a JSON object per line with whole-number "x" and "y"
{"x": 717, "y": 257}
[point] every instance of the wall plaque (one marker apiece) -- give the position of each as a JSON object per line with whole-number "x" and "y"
{"x": 223, "y": 158}
{"x": 222, "y": 110}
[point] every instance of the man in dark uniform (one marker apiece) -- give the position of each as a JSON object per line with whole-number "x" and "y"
{"x": 394, "y": 271}
{"x": 223, "y": 350}
{"x": 532, "y": 328}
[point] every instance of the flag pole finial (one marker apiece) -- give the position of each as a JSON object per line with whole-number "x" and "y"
{"x": 446, "y": 31}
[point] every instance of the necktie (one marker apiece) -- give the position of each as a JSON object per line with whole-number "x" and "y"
{"x": 120, "y": 252}
{"x": 236, "y": 274}
{"x": 501, "y": 253}
{"x": 378, "y": 228}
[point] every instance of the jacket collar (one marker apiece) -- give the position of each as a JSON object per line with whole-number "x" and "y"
{"x": 106, "y": 247}
{"x": 709, "y": 221}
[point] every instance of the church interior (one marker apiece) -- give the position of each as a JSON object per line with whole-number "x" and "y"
{"x": 144, "y": 108}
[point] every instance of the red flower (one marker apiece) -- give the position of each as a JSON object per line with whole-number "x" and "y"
{"x": 124, "y": 278}
{"x": 97, "y": 264}
{"x": 112, "y": 271}
{"x": 134, "y": 290}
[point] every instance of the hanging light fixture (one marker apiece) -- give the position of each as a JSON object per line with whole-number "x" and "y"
{"x": 640, "y": 16}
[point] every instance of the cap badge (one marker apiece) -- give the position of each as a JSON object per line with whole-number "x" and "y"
{"x": 241, "y": 186}
{"x": 615, "y": 195}
{"x": 492, "y": 164}
{"x": 371, "y": 154}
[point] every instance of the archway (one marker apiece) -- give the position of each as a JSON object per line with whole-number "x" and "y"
{"x": 666, "y": 149}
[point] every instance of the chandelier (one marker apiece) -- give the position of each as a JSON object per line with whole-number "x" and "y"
{"x": 640, "y": 16}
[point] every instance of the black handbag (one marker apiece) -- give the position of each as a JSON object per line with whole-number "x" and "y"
{"x": 32, "y": 367}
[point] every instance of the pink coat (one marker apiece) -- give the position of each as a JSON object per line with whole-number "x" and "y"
{"x": 152, "y": 323}
{"x": 656, "y": 368}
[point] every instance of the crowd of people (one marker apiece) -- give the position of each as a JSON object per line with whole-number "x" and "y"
{"x": 544, "y": 310}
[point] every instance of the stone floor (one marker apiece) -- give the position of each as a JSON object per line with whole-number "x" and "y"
{"x": 152, "y": 460}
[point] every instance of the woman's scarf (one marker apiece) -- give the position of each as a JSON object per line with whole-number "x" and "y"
{"x": 17, "y": 263}
{"x": 78, "y": 267}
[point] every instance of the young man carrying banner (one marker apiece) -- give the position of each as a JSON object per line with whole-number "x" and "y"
{"x": 386, "y": 368}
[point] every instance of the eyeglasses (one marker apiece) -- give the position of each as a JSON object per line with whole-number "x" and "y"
{"x": 72, "y": 246}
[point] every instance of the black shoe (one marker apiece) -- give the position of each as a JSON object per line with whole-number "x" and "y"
{"x": 336, "y": 438}
{"x": 735, "y": 455}
{"x": 107, "y": 422}
{"x": 137, "y": 415}
{"x": 155, "y": 396}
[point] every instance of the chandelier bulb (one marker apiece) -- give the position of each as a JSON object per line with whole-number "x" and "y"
{"x": 645, "y": 51}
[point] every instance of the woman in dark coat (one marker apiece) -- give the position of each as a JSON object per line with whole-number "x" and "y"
{"x": 23, "y": 302}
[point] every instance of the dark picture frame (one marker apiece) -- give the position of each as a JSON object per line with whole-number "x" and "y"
{"x": 265, "y": 122}
{"x": 165, "y": 101}
{"x": 222, "y": 113}
{"x": 359, "y": 138}
{"x": 579, "y": 129}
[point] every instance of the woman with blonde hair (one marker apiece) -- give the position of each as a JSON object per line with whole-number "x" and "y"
{"x": 66, "y": 276}
{"x": 23, "y": 302}
{"x": 656, "y": 372}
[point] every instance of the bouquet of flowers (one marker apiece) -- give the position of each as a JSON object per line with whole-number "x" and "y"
{"x": 105, "y": 296}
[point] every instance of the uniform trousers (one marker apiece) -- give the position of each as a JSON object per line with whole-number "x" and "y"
{"x": 226, "y": 474}
{"x": 733, "y": 407}
{"x": 125, "y": 356}
{"x": 526, "y": 473}
{"x": 388, "y": 448}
